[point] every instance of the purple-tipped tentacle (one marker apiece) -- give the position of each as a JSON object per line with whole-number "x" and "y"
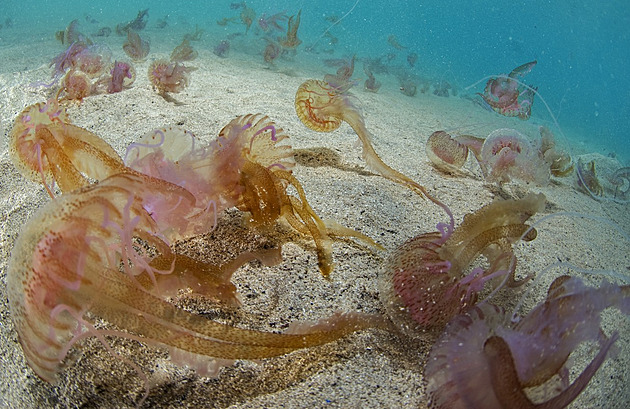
{"x": 137, "y": 145}
{"x": 267, "y": 128}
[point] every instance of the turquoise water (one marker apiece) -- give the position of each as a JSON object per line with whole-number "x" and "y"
{"x": 582, "y": 47}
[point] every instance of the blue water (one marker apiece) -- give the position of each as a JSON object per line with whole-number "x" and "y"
{"x": 582, "y": 47}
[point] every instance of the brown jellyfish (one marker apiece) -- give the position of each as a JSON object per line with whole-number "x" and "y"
{"x": 445, "y": 153}
{"x": 322, "y": 107}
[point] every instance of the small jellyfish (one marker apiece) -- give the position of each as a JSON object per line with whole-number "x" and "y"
{"x": 446, "y": 153}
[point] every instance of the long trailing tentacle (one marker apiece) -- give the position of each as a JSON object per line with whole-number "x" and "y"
{"x": 308, "y": 220}
{"x": 162, "y": 322}
{"x": 321, "y": 107}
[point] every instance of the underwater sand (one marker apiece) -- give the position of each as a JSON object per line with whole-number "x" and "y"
{"x": 365, "y": 370}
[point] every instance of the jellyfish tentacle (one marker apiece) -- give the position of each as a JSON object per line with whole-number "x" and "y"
{"x": 322, "y": 108}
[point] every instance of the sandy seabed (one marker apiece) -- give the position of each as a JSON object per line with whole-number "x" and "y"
{"x": 367, "y": 369}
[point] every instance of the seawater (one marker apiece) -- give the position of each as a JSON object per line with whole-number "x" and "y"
{"x": 582, "y": 47}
